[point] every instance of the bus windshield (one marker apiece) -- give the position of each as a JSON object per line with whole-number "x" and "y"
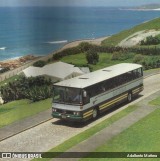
{"x": 67, "y": 95}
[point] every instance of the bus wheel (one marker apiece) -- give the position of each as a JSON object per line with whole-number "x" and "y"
{"x": 95, "y": 113}
{"x": 129, "y": 97}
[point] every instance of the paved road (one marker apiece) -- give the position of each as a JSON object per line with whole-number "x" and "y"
{"x": 109, "y": 132}
{"x": 49, "y": 134}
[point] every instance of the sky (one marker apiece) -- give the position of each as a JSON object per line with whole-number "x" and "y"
{"x": 114, "y": 3}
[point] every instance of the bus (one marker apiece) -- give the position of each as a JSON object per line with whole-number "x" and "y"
{"x": 86, "y": 96}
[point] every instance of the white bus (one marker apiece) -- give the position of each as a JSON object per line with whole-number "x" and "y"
{"x": 86, "y": 96}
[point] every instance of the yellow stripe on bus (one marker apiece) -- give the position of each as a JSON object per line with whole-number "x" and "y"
{"x": 113, "y": 101}
{"x": 137, "y": 90}
{"x": 87, "y": 113}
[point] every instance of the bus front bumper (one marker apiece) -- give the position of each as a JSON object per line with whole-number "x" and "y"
{"x": 67, "y": 117}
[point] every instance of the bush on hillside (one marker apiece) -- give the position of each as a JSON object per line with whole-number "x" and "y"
{"x": 39, "y": 63}
{"x": 138, "y": 59}
{"x": 150, "y": 40}
{"x": 151, "y": 62}
{"x": 3, "y": 70}
{"x": 122, "y": 56}
{"x": 16, "y": 90}
{"x": 37, "y": 93}
{"x": 65, "y": 52}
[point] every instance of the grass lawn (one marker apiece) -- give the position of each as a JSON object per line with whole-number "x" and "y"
{"x": 77, "y": 59}
{"x": 143, "y": 136}
{"x": 152, "y": 70}
{"x": 155, "y": 102}
{"x": 88, "y": 133}
{"x": 21, "y": 109}
{"x": 9, "y": 80}
{"x": 104, "y": 60}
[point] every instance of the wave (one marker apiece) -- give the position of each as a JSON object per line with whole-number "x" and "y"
{"x": 16, "y": 57}
{"x": 3, "y": 48}
{"x": 58, "y": 42}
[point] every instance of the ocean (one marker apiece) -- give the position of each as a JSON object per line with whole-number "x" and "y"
{"x": 42, "y": 30}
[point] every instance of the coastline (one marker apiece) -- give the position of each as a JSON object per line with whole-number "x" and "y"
{"x": 140, "y": 9}
{"x": 14, "y": 63}
{"x": 96, "y": 41}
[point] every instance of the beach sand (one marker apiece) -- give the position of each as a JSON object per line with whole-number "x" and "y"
{"x": 92, "y": 41}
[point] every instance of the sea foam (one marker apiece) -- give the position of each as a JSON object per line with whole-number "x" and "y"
{"x": 58, "y": 42}
{"x": 3, "y": 48}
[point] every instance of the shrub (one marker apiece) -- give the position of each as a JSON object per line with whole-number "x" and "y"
{"x": 151, "y": 62}
{"x": 85, "y": 46}
{"x": 39, "y": 63}
{"x": 17, "y": 89}
{"x": 65, "y": 52}
{"x": 138, "y": 59}
{"x": 116, "y": 56}
{"x": 3, "y": 70}
{"x": 122, "y": 56}
{"x": 150, "y": 40}
{"x": 37, "y": 93}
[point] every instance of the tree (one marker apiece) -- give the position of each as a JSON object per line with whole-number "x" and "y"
{"x": 92, "y": 57}
{"x": 84, "y": 46}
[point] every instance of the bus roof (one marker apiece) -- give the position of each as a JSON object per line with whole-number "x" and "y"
{"x": 98, "y": 76}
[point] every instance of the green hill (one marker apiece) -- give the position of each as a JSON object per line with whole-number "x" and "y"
{"x": 115, "y": 39}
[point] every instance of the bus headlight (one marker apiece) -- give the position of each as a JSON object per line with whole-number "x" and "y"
{"x": 54, "y": 110}
{"x": 76, "y": 113}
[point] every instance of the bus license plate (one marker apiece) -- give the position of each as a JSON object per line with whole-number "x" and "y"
{"x": 63, "y": 116}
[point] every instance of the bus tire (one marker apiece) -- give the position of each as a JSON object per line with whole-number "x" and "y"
{"x": 95, "y": 113}
{"x": 129, "y": 97}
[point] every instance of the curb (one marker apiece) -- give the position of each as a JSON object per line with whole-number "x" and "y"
{"x": 30, "y": 127}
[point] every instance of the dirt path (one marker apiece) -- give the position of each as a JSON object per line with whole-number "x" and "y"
{"x": 137, "y": 37}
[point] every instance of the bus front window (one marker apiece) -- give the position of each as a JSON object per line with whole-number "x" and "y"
{"x": 59, "y": 94}
{"x": 67, "y": 95}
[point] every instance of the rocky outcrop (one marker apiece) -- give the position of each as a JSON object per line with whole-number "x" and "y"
{"x": 15, "y": 63}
